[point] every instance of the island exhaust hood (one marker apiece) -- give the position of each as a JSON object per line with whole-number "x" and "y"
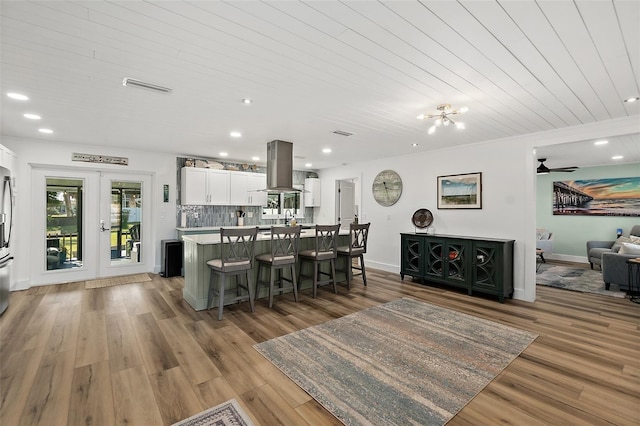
{"x": 280, "y": 167}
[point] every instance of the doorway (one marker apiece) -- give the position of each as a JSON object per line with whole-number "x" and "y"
{"x": 88, "y": 224}
{"x": 346, "y": 210}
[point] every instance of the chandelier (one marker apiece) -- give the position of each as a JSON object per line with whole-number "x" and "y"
{"x": 443, "y": 117}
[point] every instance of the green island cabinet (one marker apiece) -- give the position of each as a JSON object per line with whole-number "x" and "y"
{"x": 482, "y": 265}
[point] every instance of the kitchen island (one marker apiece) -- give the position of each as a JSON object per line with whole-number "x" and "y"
{"x": 200, "y": 248}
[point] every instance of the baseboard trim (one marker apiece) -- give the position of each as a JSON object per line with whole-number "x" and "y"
{"x": 566, "y": 258}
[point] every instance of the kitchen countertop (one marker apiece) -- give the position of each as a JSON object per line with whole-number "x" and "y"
{"x": 217, "y": 228}
{"x": 205, "y": 239}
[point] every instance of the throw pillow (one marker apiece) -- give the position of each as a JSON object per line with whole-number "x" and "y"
{"x": 621, "y": 240}
{"x": 628, "y": 248}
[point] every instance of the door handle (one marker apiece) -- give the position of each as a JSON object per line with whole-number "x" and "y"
{"x": 102, "y": 228}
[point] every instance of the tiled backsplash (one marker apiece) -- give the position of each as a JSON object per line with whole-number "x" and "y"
{"x": 197, "y": 216}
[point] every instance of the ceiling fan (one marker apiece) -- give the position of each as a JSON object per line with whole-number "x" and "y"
{"x": 543, "y": 170}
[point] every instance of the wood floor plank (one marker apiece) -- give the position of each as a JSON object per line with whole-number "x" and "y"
{"x": 269, "y": 408}
{"x": 64, "y": 334}
{"x": 48, "y": 401}
{"x": 16, "y": 380}
{"x": 583, "y": 368}
{"x": 91, "y": 396}
{"x": 156, "y": 352}
{"x": 315, "y": 415}
{"x": 39, "y": 327}
{"x": 174, "y": 394}
{"x": 215, "y": 391}
{"x": 122, "y": 344}
{"x": 194, "y": 362}
{"x": 92, "y": 338}
{"x": 134, "y": 401}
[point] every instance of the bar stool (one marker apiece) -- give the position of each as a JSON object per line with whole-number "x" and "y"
{"x": 236, "y": 258}
{"x": 324, "y": 251}
{"x": 285, "y": 241}
{"x": 358, "y": 234}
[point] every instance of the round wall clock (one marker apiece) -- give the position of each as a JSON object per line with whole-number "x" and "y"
{"x": 387, "y": 188}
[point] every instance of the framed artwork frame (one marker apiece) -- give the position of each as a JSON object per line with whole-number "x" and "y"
{"x": 597, "y": 197}
{"x": 462, "y": 191}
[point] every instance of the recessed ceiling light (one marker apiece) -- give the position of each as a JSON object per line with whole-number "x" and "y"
{"x": 247, "y": 101}
{"x": 617, "y": 157}
{"x": 631, "y": 100}
{"x": 223, "y": 154}
{"x": 32, "y": 116}
{"x": 601, "y": 142}
{"x": 326, "y": 150}
{"x": 308, "y": 165}
{"x": 414, "y": 144}
{"x": 47, "y": 131}
{"x": 18, "y": 96}
{"x": 235, "y": 134}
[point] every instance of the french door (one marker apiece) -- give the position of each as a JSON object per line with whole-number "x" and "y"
{"x": 89, "y": 224}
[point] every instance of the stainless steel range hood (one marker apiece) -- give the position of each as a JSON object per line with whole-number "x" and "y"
{"x": 280, "y": 167}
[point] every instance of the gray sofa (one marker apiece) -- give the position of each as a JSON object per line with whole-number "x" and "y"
{"x": 615, "y": 269}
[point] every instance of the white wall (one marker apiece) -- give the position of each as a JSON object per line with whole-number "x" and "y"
{"x": 571, "y": 232}
{"x": 508, "y": 195}
{"x": 509, "y": 188}
{"x": 34, "y": 152}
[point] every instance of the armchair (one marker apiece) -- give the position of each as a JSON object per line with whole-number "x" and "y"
{"x": 544, "y": 240}
{"x": 597, "y": 249}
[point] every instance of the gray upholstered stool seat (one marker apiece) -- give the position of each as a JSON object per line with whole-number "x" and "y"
{"x": 285, "y": 241}
{"x": 236, "y": 259}
{"x": 324, "y": 251}
{"x": 358, "y": 234}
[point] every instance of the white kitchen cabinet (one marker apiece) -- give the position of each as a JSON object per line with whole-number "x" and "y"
{"x": 238, "y": 187}
{"x": 256, "y": 189}
{"x": 204, "y": 186}
{"x": 245, "y": 189}
{"x": 218, "y": 187}
{"x": 312, "y": 192}
{"x": 193, "y": 186}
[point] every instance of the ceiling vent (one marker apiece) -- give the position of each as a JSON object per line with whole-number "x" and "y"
{"x": 139, "y": 83}
{"x": 342, "y": 133}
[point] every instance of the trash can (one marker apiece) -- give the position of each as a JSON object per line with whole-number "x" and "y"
{"x": 171, "y": 258}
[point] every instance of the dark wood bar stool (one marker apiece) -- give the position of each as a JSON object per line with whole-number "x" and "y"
{"x": 324, "y": 251}
{"x": 358, "y": 234}
{"x": 285, "y": 241}
{"x": 236, "y": 259}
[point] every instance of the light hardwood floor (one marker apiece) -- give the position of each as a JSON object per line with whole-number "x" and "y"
{"x": 138, "y": 354}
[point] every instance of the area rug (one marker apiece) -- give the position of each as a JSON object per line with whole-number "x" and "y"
{"x": 401, "y": 363}
{"x": 576, "y": 279}
{"x": 111, "y": 281}
{"x": 226, "y": 414}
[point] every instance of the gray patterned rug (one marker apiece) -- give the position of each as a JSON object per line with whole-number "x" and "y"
{"x": 226, "y": 414}
{"x": 401, "y": 363}
{"x": 576, "y": 279}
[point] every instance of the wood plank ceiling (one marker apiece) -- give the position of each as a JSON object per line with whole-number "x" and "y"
{"x": 313, "y": 67}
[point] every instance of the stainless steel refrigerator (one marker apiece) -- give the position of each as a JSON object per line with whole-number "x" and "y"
{"x": 6, "y": 226}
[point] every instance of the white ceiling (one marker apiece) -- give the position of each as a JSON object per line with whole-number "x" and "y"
{"x": 313, "y": 67}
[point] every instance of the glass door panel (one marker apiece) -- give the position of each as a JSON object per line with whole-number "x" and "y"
{"x": 123, "y": 219}
{"x": 64, "y": 236}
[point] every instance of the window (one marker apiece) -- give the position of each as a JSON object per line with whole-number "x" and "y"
{"x": 278, "y": 204}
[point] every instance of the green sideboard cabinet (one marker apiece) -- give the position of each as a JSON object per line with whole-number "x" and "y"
{"x": 483, "y": 265}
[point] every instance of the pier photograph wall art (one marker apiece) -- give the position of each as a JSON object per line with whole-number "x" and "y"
{"x": 597, "y": 197}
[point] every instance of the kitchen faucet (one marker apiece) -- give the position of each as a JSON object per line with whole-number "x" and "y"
{"x": 286, "y": 221}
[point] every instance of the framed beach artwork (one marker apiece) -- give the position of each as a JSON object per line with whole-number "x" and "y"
{"x": 460, "y": 191}
{"x": 597, "y": 197}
